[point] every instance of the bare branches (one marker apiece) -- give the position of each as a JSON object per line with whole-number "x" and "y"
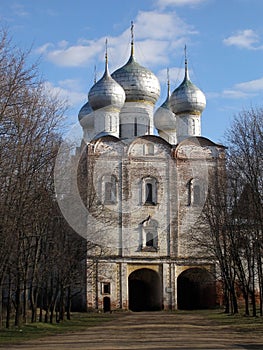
{"x": 39, "y": 253}
{"x": 233, "y": 212}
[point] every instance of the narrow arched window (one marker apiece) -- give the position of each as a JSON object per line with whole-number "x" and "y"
{"x": 149, "y": 149}
{"x": 135, "y": 127}
{"x": 149, "y": 235}
{"x": 109, "y": 192}
{"x": 110, "y": 122}
{"x": 149, "y": 191}
{"x": 108, "y": 189}
{"x": 193, "y": 126}
{"x": 149, "y": 239}
{"x": 196, "y": 194}
{"x": 148, "y": 128}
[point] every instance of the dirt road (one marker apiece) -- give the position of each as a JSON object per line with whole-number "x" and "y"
{"x": 150, "y": 330}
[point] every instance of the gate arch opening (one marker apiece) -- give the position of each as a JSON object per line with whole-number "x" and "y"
{"x": 145, "y": 290}
{"x": 196, "y": 289}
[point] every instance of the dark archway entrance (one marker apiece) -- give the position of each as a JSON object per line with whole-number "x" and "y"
{"x": 145, "y": 290}
{"x": 106, "y": 304}
{"x": 196, "y": 289}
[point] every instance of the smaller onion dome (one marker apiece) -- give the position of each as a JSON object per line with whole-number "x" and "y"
{"x": 138, "y": 82}
{"x": 164, "y": 118}
{"x": 187, "y": 98}
{"x": 106, "y": 92}
{"x": 85, "y": 116}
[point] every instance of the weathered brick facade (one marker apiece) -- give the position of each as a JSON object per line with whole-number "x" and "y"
{"x": 139, "y": 234}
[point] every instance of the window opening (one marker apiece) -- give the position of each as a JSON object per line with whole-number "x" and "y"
{"x": 193, "y": 126}
{"x": 189, "y": 186}
{"x": 194, "y": 192}
{"x": 105, "y": 288}
{"x": 135, "y": 127}
{"x": 148, "y": 128}
{"x": 149, "y": 239}
{"x": 108, "y": 192}
{"x": 149, "y": 193}
{"x": 108, "y": 189}
{"x": 149, "y": 149}
{"x": 197, "y": 194}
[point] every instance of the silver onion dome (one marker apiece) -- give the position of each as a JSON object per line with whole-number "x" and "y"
{"x": 164, "y": 118}
{"x": 85, "y": 116}
{"x": 106, "y": 92}
{"x": 138, "y": 82}
{"x": 187, "y": 97}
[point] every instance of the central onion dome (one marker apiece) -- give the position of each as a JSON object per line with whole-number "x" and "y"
{"x": 106, "y": 92}
{"x": 138, "y": 82}
{"x": 187, "y": 98}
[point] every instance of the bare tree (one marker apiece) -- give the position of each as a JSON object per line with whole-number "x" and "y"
{"x": 245, "y": 154}
{"x": 233, "y": 212}
{"x": 30, "y": 119}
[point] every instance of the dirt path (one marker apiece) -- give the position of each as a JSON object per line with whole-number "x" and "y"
{"x": 149, "y": 330}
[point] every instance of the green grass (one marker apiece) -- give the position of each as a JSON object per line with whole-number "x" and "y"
{"x": 237, "y": 322}
{"x": 79, "y": 321}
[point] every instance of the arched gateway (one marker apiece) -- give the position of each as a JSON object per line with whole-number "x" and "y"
{"x": 196, "y": 289}
{"x": 145, "y": 292}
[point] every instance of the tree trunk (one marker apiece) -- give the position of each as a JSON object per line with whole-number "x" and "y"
{"x": 17, "y": 302}
{"x": 68, "y": 306}
{"x": 8, "y": 306}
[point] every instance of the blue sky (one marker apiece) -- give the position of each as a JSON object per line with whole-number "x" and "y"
{"x": 224, "y": 41}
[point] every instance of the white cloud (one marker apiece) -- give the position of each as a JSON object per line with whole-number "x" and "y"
{"x": 44, "y": 48}
{"x": 176, "y": 76}
{"x": 166, "y": 3}
{"x": 158, "y": 25}
{"x": 247, "y": 39}
{"x": 154, "y": 44}
{"x": 67, "y": 90}
{"x": 245, "y": 90}
{"x": 76, "y": 55}
{"x": 235, "y": 94}
{"x": 252, "y": 86}
{"x": 63, "y": 44}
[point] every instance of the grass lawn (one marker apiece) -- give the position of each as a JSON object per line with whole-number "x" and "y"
{"x": 79, "y": 321}
{"x": 238, "y": 322}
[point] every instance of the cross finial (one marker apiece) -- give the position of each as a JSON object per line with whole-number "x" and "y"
{"x": 185, "y": 63}
{"x": 106, "y": 51}
{"x": 168, "y": 82}
{"x": 132, "y": 33}
{"x": 95, "y": 74}
{"x": 132, "y": 38}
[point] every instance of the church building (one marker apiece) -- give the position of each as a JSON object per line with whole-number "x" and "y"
{"x": 145, "y": 176}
